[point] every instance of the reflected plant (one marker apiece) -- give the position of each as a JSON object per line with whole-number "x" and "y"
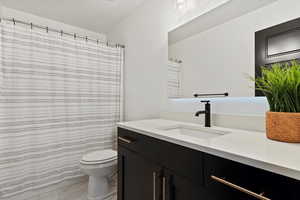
{"x": 280, "y": 83}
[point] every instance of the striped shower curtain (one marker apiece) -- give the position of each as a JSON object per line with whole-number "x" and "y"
{"x": 59, "y": 98}
{"x": 174, "y": 79}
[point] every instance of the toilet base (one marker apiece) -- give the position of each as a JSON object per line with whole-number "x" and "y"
{"x": 110, "y": 196}
{"x": 99, "y": 189}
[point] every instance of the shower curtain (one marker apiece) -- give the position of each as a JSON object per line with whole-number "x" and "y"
{"x": 174, "y": 79}
{"x": 60, "y": 97}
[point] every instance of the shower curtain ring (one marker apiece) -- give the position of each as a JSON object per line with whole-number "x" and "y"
{"x": 14, "y": 21}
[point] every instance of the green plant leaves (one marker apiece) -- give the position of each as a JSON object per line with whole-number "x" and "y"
{"x": 281, "y": 86}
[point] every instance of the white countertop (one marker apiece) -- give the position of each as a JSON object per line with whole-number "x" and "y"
{"x": 247, "y": 147}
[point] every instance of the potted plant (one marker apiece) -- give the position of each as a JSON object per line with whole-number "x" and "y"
{"x": 281, "y": 85}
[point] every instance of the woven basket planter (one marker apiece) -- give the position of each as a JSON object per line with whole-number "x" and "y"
{"x": 284, "y": 127}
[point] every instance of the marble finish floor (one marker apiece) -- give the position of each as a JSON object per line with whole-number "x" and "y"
{"x": 70, "y": 190}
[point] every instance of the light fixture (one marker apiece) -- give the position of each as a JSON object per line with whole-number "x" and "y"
{"x": 181, "y": 5}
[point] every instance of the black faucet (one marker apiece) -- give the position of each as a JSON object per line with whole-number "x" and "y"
{"x": 207, "y": 113}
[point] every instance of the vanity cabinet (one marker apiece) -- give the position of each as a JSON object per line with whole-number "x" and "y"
{"x": 138, "y": 177}
{"x": 152, "y": 169}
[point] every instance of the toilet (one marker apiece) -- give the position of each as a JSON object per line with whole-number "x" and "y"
{"x": 99, "y": 166}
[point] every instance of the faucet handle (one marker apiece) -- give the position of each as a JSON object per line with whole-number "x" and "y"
{"x": 205, "y": 101}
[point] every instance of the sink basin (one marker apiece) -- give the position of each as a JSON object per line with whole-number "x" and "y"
{"x": 196, "y": 132}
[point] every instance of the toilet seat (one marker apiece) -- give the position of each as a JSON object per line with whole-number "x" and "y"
{"x": 99, "y": 157}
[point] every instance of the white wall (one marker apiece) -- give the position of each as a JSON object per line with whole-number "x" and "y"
{"x": 145, "y": 35}
{"x": 27, "y": 17}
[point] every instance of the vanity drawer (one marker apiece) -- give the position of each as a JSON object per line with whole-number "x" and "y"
{"x": 183, "y": 161}
{"x": 128, "y": 139}
{"x": 223, "y": 168}
{"x": 143, "y": 145}
{"x": 242, "y": 180}
{"x": 248, "y": 183}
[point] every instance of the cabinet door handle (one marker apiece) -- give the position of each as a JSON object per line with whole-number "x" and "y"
{"x": 239, "y": 188}
{"x": 154, "y": 185}
{"x": 164, "y": 182}
{"x": 125, "y": 140}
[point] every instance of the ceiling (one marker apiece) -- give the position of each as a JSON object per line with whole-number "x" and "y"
{"x": 95, "y": 15}
{"x": 218, "y": 13}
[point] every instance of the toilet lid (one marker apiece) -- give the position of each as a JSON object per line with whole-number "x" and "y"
{"x": 100, "y": 156}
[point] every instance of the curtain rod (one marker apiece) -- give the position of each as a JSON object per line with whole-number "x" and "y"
{"x": 75, "y": 35}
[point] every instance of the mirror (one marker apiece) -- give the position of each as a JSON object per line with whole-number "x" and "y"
{"x": 213, "y": 54}
{"x": 208, "y": 63}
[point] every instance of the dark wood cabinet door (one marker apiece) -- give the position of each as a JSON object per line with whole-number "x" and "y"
{"x": 139, "y": 179}
{"x": 176, "y": 187}
{"x": 277, "y": 187}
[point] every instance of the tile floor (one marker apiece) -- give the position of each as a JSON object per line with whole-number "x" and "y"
{"x": 69, "y": 190}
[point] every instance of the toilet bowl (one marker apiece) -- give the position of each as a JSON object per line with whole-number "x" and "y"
{"x": 99, "y": 166}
